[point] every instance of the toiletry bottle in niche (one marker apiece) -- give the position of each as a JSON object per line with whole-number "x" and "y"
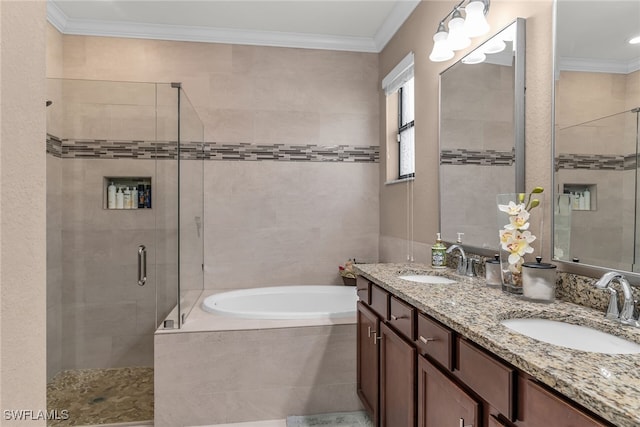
{"x": 439, "y": 254}
{"x": 127, "y": 198}
{"x": 119, "y": 199}
{"x": 134, "y": 197}
{"x": 140, "y": 196}
{"x": 147, "y": 196}
{"x": 111, "y": 196}
{"x": 587, "y": 199}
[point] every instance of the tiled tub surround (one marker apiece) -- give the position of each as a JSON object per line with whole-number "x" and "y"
{"x": 221, "y": 369}
{"x": 608, "y": 385}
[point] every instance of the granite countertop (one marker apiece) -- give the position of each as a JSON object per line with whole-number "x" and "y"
{"x": 607, "y": 384}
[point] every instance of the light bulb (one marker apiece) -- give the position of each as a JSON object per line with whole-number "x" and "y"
{"x": 441, "y": 51}
{"x": 494, "y": 45}
{"x": 475, "y": 57}
{"x": 475, "y": 23}
{"x": 457, "y": 38}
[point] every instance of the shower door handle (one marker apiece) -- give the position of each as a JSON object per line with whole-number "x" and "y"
{"x": 142, "y": 265}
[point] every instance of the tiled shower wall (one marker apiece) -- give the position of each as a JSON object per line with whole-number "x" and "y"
{"x": 475, "y": 141}
{"x": 601, "y": 153}
{"x": 290, "y": 175}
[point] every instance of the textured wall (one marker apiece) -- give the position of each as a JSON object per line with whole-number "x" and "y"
{"x": 416, "y": 35}
{"x": 22, "y": 210}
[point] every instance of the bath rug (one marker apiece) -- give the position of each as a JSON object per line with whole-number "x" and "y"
{"x": 335, "y": 419}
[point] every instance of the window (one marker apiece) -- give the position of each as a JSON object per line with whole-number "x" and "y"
{"x": 406, "y": 157}
{"x": 398, "y": 86}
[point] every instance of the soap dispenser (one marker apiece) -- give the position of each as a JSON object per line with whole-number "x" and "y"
{"x": 439, "y": 254}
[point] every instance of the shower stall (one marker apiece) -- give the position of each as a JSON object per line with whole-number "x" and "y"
{"x": 596, "y": 166}
{"x": 119, "y": 265}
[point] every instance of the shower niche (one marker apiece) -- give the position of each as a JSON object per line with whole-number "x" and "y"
{"x": 127, "y": 192}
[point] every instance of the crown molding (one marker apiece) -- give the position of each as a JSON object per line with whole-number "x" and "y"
{"x": 56, "y": 16}
{"x": 400, "y": 12}
{"x": 598, "y": 65}
{"x": 394, "y": 21}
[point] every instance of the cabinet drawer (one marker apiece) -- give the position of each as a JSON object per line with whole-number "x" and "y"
{"x": 489, "y": 378}
{"x": 542, "y": 408}
{"x": 435, "y": 341}
{"x": 363, "y": 289}
{"x": 403, "y": 317}
{"x": 380, "y": 301}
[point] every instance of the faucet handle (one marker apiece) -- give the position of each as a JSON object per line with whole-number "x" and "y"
{"x": 612, "y": 309}
{"x": 471, "y": 271}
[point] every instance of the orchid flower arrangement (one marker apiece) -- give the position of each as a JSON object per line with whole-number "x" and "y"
{"x": 347, "y": 270}
{"x": 515, "y": 237}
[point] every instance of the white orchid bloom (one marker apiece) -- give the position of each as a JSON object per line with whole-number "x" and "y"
{"x": 512, "y": 208}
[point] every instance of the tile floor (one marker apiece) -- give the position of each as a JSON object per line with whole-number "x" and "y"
{"x": 102, "y": 396}
{"x": 270, "y": 423}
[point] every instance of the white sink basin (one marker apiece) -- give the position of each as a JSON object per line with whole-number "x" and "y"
{"x": 572, "y": 336}
{"x": 431, "y": 280}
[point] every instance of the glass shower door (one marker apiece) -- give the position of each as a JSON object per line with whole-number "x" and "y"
{"x": 190, "y": 206}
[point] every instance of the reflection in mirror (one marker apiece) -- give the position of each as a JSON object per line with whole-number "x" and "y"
{"x": 481, "y": 136}
{"x": 597, "y": 95}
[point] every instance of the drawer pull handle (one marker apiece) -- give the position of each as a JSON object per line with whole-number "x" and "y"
{"x": 394, "y": 317}
{"x": 376, "y": 338}
{"x": 368, "y": 331}
{"x": 463, "y": 425}
{"x": 426, "y": 340}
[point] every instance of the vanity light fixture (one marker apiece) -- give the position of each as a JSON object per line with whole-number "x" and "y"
{"x": 461, "y": 29}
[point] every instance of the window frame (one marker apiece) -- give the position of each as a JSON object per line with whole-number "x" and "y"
{"x": 403, "y": 128}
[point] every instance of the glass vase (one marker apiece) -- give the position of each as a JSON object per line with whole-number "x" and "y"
{"x": 519, "y": 235}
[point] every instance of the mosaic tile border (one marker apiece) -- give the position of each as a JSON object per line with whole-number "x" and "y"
{"x": 616, "y": 162}
{"x": 463, "y": 156}
{"x": 54, "y": 146}
{"x": 109, "y": 149}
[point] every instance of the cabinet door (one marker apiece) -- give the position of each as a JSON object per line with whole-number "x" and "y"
{"x": 441, "y": 402}
{"x": 542, "y": 408}
{"x": 367, "y": 355}
{"x": 397, "y": 380}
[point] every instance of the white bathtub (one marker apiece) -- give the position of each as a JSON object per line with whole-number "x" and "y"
{"x": 285, "y": 302}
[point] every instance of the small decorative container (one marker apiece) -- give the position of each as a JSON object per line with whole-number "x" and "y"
{"x": 349, "y": 281}
{"x": 492, "y": 272}
{"x": 539, "y": 281}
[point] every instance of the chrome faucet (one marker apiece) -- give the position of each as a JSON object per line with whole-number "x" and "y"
{"x": 626, "y": 315}
{"x": 462, "y": 264}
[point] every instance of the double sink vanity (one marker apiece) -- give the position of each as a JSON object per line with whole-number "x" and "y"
{"x": 437, "y": 349}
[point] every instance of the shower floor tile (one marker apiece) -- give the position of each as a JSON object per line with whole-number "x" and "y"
{"x": 101, "y": 396}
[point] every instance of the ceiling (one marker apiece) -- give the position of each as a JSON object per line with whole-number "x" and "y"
{"x": 593, "y": 35}
{"x": 353, "y": 25}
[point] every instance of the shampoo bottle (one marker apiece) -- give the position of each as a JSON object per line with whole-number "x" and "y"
{"x": 127, "y": 198}
{"x": 140, "y": 196}
{"x": 587, "y": 199}
{"x": 119, "y": 199}
{"x": 439, "y": 254}
{"x": 134, "y": 197}
{"x": 111, "y": 196}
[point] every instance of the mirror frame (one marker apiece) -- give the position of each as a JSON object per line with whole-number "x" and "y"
{"x": 586, "y": 270}
{"x": 518, "y": 125}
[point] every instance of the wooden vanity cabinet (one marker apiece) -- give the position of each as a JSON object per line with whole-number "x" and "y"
{"x": 397, "y": 380}
{"x": 368, "y": 325}
{"x": 413, "y": 370}
{"x": 386, "y": 369}
{"x": 540, "y": 407}
{"x": 441, "y": 401}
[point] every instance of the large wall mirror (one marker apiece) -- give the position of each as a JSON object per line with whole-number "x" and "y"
{"x": 596, "y": 125}
{"x": 482, "y": 137}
